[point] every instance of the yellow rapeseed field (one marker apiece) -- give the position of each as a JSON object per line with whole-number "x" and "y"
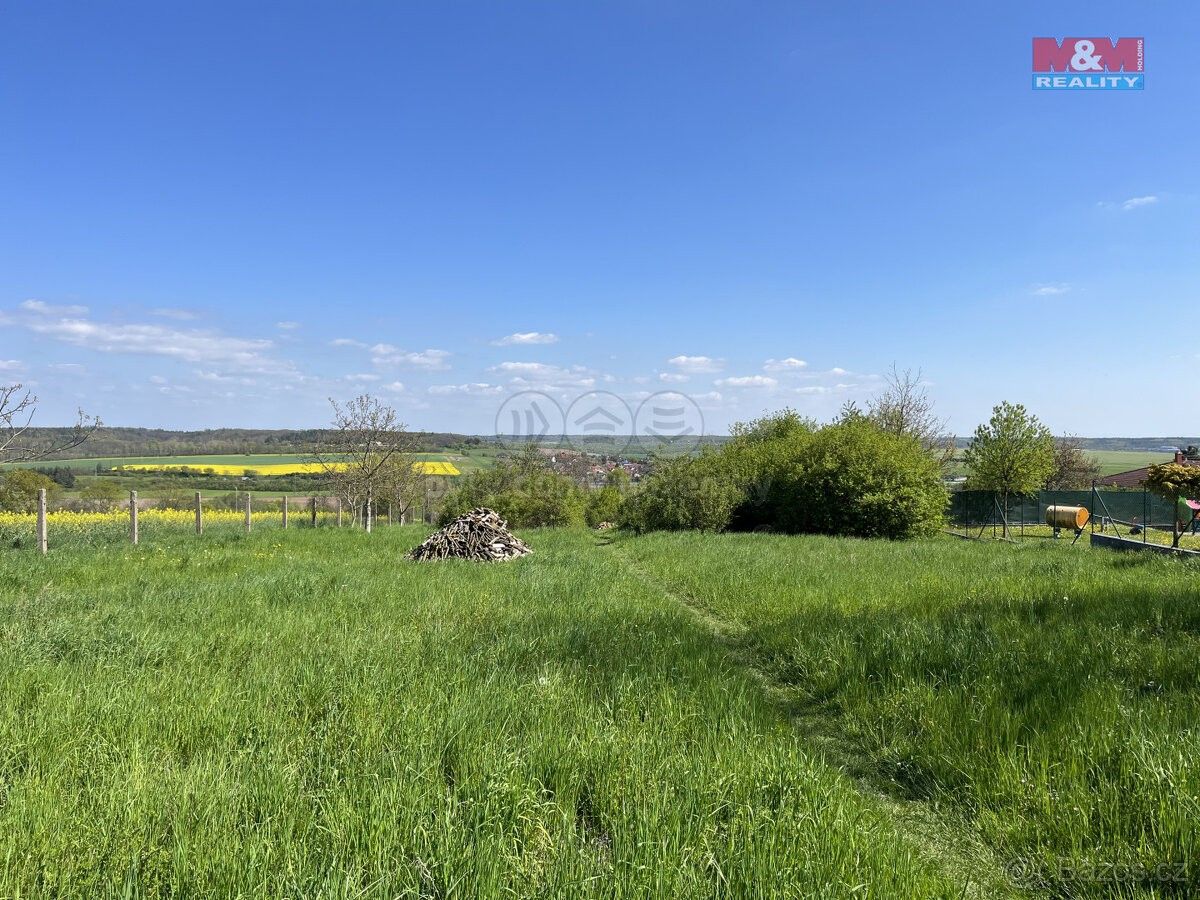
{"x": 297, "y": 468}
{"x": 66, "y": 522}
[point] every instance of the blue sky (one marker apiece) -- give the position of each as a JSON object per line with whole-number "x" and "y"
{"x": 222, "y": 214}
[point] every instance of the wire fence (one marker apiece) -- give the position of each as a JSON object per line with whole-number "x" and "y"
{"x": 1137, "y": 515}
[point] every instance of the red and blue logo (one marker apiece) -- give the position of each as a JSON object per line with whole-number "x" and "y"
{"x": 1089, "y": 64}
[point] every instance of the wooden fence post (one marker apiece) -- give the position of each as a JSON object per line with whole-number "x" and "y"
{"x": 133, "y": 517}
{"x": 368, "y": 510}
{"x": 199, "y": 513}
{"x": 247, "y": 512}
{"x": 41, "y": 521}
{"x": 339, "y": 509}
{"x": 285, "y": 511}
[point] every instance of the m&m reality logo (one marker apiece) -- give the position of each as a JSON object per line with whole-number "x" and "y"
{"x": 1089, "y": 64}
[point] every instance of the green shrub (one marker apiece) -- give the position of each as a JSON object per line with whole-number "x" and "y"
{"x": 784, "y": 473}
{"x": 19, "y": 490}
{"x": 522, "y": 491}
{"x": 604, "y": 505}
{"x": 852, "y": 478}
{"x": 684, "y": 493}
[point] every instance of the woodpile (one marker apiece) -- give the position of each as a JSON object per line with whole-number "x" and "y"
{"x": 480, "y": 535}
{"x": 605, "y": 526}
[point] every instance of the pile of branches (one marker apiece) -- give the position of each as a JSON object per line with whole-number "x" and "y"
{"x": 480, "y": 535}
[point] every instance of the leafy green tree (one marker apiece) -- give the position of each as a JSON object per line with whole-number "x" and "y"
{"x": 618, "y": 478}
{"x": 1013, "y": 453}
{"x": 101, "y": 490}
{"x": 19, "y": 490}
{"x": 1174, "y": 482}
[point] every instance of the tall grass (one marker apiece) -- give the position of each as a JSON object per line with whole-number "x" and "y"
{"x": 309, "y": 714}
{"x": 1047, "y": 695}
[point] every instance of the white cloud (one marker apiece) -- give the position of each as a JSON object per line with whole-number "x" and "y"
{"x": 287, "y": 326}
{"x": 362, "y": 376}
{"x": 45, "y": 309}
{"x": 673, "y": 377}
{"x": 790, "y": 364}
{"x": 347, "y": 342}
{"x": 477, "y": 388}
{"x": 11, "y": 365}
{"x": 66, "y": 367}
{"x": 533, "y": 374}
{"x": 696, "y": 364}
{"x": 1052, "y": 289}
{"x": 526, "y": 337}
{"x": 218, "y": 378}
{"x": 836, "y": 370}
{"x": 221, "y": 355}
{"x": 394, "y": 387}
{"x": 747, "y": 381}
{"x": 387, "y": 355}
{"x": 167, "y": 312}
{"x": 157, "y": 379}
{"x": 1136, "y": 202}
{"x": 195, "y": 346}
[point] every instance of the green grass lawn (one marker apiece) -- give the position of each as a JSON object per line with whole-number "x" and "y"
{"x": 310, "y": 714}
{"x": 307, "y": 714}
{"x": 1049, "y": 697}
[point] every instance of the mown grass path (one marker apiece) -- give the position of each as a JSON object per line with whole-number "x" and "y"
{"x": 949, "y": 843}
{"x": 308, "y": 714}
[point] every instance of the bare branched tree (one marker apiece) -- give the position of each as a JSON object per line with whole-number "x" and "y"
{"x": 402, "y": 482}
{"x": 17, "y": 409}
{"x": 905, "y": 407}
{"x": 367, "y": 455}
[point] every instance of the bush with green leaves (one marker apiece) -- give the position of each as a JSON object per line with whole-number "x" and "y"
{"x": 684, "y": 493}
{"x": 853, "y": 478}
{"x": 785, "y": 473}
{"x": 19, "y": 490}
{"x": 522, "y": 490}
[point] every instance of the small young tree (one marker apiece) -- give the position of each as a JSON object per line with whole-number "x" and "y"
{"x": 1073, "y": 469}
{"x": 101, "y": 491}
{"x": 1012, "y": 454}
{"x": 367, "y": 448}
{"x": 17, "y": 409}
{"x": 1174, "y": 482}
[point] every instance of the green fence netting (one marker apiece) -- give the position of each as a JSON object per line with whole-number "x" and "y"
{"x": 981, "y": 508}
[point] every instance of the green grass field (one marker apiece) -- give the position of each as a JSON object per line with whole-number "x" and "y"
{"x": 1114, "y": 461}
{"x": 1110, "y": 461}
{"x": 307, "y": 713}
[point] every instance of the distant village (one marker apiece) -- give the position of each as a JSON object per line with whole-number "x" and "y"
{"x": 592, "y": 469}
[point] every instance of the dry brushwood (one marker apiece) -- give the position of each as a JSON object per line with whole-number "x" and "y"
{"x": 480, "y": 535}
{"x": 605, "y": 526}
